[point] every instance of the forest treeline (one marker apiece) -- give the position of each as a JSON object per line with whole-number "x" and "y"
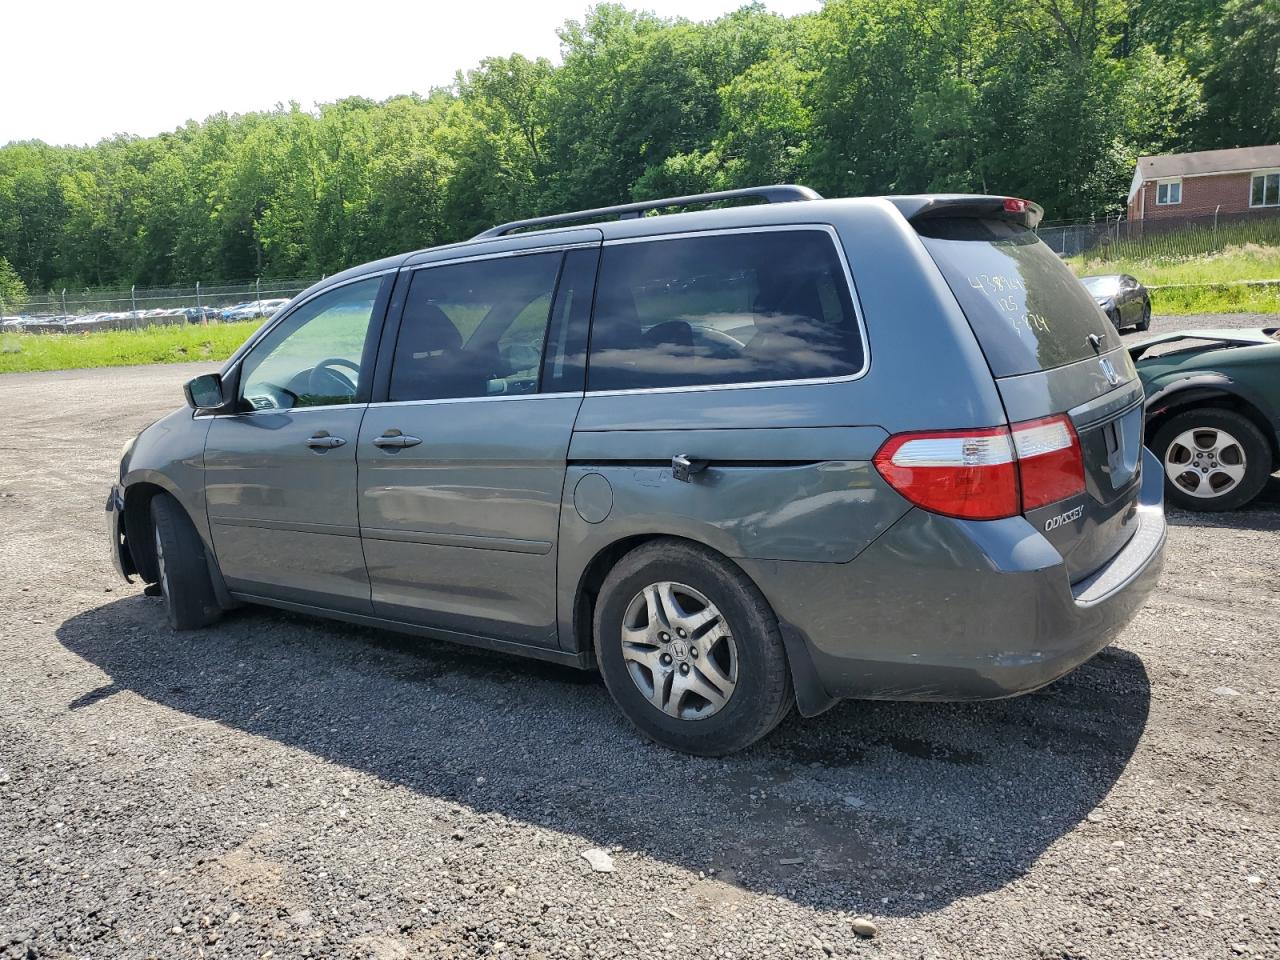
{"x": 1047, "y": 99}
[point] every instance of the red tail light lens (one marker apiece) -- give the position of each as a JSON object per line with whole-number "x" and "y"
{"x": 959, "y": 473}
{"x": 1049, "y": 461}
{"x": 985, "y": 474}
{"x": 1014, "y": 205}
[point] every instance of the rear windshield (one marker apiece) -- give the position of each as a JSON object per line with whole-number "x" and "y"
{"x": 1028, "y": 310}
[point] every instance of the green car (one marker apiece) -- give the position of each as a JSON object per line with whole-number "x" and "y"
{"x": 1213, "y": 413}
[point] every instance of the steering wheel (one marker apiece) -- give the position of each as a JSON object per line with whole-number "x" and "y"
{"x": 327, "y": 381}
{"x": 721, "y": 344}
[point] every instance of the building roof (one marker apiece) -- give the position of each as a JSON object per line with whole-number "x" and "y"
{"x": 1209, "y": 161}
{"x": 1204, "y": 162}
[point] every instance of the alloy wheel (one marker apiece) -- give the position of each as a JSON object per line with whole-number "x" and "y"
{"x": 679, "y": 651}
{"x": 1205, "y": 462}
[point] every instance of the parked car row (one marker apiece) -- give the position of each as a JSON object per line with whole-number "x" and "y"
{"x": 252, "y": 308}
{"x": 92, "y": 322}
{"x": 134, "y": 319}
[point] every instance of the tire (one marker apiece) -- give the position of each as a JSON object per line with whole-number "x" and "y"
{"x": 1224, "y": 444}
{"x": 1145, "y": 323}
{"x": 1114, "y": 316}
{"x": 741, "y": 650}
{"x": 181, "y": 567}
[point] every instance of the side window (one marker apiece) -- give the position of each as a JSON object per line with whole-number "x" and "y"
{"x": 475, "y": 329}
{"x": 317, "y": 355}
{"x": 722, "y": 309}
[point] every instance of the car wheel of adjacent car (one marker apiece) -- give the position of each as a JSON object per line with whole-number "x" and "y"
{"x": 690, "y": 649}
{"x": 181, "y": 568}
{"x": 1145, "y": 323}
{"x": 1214, "y": 459}
{"x": 1114, "y": 316}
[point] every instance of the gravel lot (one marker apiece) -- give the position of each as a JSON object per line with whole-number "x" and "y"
{"x": 285, "y": 787}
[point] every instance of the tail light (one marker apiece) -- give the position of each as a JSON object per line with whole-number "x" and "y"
{"x": 988, "y": 473}
{"x": 1049, "y": 461}
{"x": 960, "y": 473}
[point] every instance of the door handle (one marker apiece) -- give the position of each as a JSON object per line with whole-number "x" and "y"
{"x": 322, "y": 441}
{"x": 395, "y": 441}
{"x": 684, "y": 467}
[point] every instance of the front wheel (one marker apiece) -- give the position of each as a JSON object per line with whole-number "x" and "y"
{"x": 1214, "y": 459}
{"x": 690, "y": 650}
{"x": 181, "y": 568}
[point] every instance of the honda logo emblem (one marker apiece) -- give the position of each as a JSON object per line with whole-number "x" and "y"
{"x": 1109, "y": 371}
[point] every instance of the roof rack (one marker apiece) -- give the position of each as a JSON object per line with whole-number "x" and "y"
{"x": 778, "y": 193}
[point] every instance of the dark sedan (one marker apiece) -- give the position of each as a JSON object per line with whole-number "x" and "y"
{"x": 1123, "y": 299}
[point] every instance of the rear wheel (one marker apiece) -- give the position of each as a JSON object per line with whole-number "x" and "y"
{"x": 1145, "y": 323}
{"x": 690, "y": 650}
{"x": 181, "y": 568}
{"x": 1214, "y": 459}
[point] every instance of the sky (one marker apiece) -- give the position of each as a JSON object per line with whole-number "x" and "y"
{"x": 77, "y": 71}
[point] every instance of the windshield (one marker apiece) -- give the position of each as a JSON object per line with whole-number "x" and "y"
{"x": 1101, "y": 286}
{"x": 1028, "y": 311}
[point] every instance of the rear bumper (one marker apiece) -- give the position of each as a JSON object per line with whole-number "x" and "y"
{"x": 945, "y": 609}
{"x": 120, "y": 556}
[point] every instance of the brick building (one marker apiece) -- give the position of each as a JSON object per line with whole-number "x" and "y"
{"x": 1206, "y": 183}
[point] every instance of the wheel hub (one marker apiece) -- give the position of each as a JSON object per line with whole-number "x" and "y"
{"x": 679, "y": 651}
{"x": 1205, "y": 462}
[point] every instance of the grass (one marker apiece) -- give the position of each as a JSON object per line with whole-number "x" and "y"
{"x": 1216, "y": 299}
{"x": 1208, "y": 283}
{"x": 31, "y": 352}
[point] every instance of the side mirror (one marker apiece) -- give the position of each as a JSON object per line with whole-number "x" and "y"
{"x": 205, "y": 392}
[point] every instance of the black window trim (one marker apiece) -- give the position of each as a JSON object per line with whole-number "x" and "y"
{"x": 391, "y": 330}
{"x": 826, "y": 228}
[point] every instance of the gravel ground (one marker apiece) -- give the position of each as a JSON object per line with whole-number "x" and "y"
{"x": 279, "y": 786}
{"x": 1211, "y": 320}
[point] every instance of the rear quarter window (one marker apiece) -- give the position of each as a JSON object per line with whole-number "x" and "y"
{"x": 752, "y": 307}
{"x": 1028, "y": 311}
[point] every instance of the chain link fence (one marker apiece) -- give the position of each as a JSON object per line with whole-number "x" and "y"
{"x": 134, "y": 307}
{"x": 1166, "y": 238}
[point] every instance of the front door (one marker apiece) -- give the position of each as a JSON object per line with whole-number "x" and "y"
{"x": 461, "y": 470}
{"x": 280, "y": 473}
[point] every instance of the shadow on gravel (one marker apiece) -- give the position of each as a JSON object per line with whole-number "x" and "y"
{"x": 896, "y": 808}
{"x": 1262, "y": 514}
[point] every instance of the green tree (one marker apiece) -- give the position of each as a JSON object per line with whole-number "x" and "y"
{"x": 1242, "y": 81}
{"x": 13, "y": 291}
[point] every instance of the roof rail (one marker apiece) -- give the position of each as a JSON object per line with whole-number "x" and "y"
{"x": 778, "y": 193}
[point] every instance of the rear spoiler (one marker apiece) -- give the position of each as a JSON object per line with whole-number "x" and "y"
{"x": 970, "y": 205}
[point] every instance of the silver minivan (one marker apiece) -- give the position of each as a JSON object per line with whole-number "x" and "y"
{"x": 738, "y": 458}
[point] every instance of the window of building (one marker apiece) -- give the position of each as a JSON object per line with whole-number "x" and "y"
{"x": 1168, "y": 192}
{"x": 728, "y": 308}
{"x": 1264, "y": 189}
